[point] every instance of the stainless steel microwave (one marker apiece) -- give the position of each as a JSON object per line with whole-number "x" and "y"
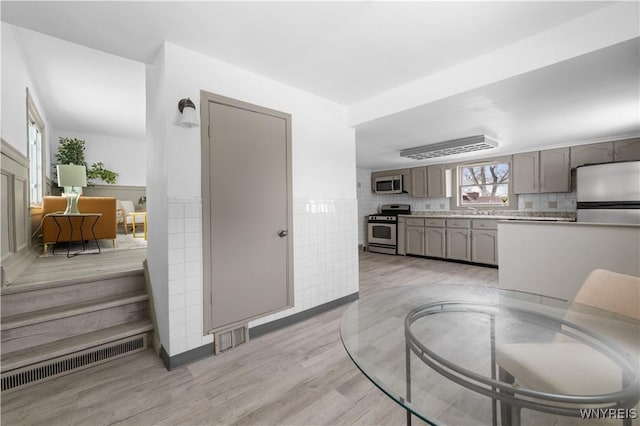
{"x": 388, "y": 185}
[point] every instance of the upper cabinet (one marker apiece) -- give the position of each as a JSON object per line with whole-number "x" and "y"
{"x": 605, "y": 152}
{"x": 555, "y": 171}
{"x": 430, "y": 181}
{"x": 418, "y": 187}
{"x": 438, "y": 181}
{"x": 590, "y": 154}
{"x": 525, "y": 172}
{"x": 542, "y": 171}
{"x": 627, "y": 150}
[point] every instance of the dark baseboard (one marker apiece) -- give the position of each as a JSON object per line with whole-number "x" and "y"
{"x": 171, "y": 362}
{"x": 269, "y": 327}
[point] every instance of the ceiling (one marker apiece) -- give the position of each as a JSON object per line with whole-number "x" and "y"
{"x": 347, "y": 52}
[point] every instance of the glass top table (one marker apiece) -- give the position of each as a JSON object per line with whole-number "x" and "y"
{"x": 459, "y": 355}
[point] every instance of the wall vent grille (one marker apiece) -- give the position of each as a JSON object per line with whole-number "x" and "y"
{"x": 60, "y": 366}
{"x": 228, "y": 339}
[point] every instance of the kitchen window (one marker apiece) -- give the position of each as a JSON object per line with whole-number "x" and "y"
{"x": 485, "y": 185}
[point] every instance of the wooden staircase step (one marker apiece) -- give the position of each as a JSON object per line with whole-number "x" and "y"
{"x": 65, "y": 281}
{"x": 23, "y": 298}
{"x": 47, "y": 351}
{"x": 65, "y": 311}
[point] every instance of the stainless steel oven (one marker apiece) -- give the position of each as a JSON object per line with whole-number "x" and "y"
{"x": 382, "y": 229}
{"x": 382, "y": 234}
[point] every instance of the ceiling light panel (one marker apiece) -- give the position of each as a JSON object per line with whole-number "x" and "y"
{"x": 452, "y": 147}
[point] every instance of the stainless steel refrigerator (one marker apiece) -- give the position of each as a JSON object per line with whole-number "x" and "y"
{"x": 609, "y": 193}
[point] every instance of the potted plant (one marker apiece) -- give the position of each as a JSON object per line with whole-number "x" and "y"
{"x": 71, "y": 151}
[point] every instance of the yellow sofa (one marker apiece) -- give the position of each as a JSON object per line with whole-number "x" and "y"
{"x": 105, "y": 226}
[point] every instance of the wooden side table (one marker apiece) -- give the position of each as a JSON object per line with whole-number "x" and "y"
{"x": 59, "y": 217}
{"x": 143, "y": 215}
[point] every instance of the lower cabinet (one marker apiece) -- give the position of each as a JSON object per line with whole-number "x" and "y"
{"x": 459, "y": 239}
{"x": 458, "y": 246}
{"x": 484, "y": 246}
{"x": 435, "y": 242}
{"x": 414, "y": 240}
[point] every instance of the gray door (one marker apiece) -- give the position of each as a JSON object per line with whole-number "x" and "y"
{"x": 246, "y": 200}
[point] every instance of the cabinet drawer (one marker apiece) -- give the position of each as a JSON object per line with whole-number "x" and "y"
{"x": 415, "y": 222}
{"x": 458, "y": 223}
{"x": 484, "y": 224}
{"x": 434, "y": 223}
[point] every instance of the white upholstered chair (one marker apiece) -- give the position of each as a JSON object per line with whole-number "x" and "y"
{"x": 544, "y": 366}
{"x": 124, "y": 210}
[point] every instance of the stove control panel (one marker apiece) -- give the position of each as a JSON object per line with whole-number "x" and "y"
{"x": 383, "y": 218}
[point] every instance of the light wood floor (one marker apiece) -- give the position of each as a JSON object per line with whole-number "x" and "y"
{"x": 300, "y": 375}
{"x": 54, "y": 268}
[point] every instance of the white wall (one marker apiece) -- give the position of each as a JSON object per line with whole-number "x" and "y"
{"x": 157, "y": 217}
{"x": 555, "y": 258}
{"x": 127, "y": 157}
{"x": 16, "y": 78}
{"x": 324, "y": 195}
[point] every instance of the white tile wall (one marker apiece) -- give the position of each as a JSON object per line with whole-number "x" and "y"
{"x": 185, "y": 275}
{"x": 325, "y": 253}
{"x": 325, "y": 256}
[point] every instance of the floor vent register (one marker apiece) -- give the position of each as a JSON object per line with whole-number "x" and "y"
{"x": 60, "y": 366}
{"x": 228, "y": 339}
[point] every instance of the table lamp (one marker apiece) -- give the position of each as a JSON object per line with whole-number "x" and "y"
{"x": 72, "y": 178}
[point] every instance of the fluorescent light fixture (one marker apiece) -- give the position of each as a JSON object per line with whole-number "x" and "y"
{"x": 452, "y": 147}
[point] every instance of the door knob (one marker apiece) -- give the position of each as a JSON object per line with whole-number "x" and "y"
{"x": 282, "y": 233}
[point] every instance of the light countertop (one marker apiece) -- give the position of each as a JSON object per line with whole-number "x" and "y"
{"x": 502, "y": 215}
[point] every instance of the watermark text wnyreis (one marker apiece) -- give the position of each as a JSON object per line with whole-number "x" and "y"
{"x": 608, "y": 413}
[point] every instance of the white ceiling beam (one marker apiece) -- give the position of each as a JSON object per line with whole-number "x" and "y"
{"x": 600, "y": 29}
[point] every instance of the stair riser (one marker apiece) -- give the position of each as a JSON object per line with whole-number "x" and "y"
{"x": 26, "y": 301}
{"x": 49, "y": 331}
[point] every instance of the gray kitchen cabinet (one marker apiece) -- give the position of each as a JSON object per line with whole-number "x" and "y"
{"x": 457, "y": 239}
{"x": 458, "y": 246}
{"x": 525, "y": 169}
{"x": 418, "y": 187}
{"x": 430, "y": 181}
{"x": 605, "y": 152}
{"x": 484, "y": 241}
{"x": 626, "y": 150}
{"x": 542, "y": 171}
{"x": 435, "y": 243}
{"x": 555, "y": 170}
{"x": 484, "y": 246}
{"x": 414, "y": 240}
{"x": 438, "y": 181}
{"x": 401, "y": 245}
{"x": 591, "y": 154}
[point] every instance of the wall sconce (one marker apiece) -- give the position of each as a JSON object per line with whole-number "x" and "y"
{"x": 188, "y": 110}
